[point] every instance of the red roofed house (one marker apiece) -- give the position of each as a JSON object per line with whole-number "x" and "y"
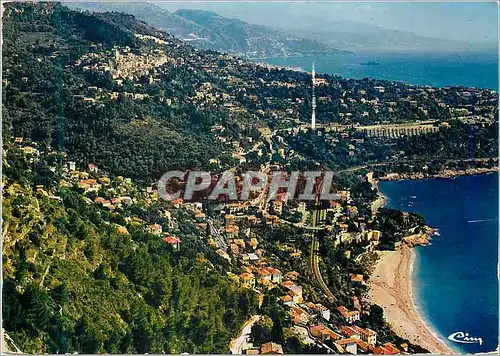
{"x": 299, "y": 316}
{"x": 393, "y": 349}
{"x": 294, "y": 291}
{"x": 89, "y": 185}
{"x": 386, "y": 349}
{"x": 367, "y": 335}
{"x": 349, "y": 316}
{"x": 325, "y": 312}
{"x": 404, "y": 346}
{"x": 156, "y": 229}
{"x": 252, "y": 351}
{"x": 247, "y": 280}
{"x": 292, "y": 275}
{"x": 350, "y": 345}
{"x": 116, "y": 201}
{"x": 364, "y": 346}
{"x": 230, "y": 219}
{"x": 121, "y": 229}
{"x": 287, "y": 284}
{"x": 107, "y": 204}
{"x": 287, "y": 300}
{"x": 235, "y": 249}
{"x": 357, "y": 279}
{"x": 253, "y": 243}
{"x": 349, "y": 331}
{"x": 271, "y": 348}
{"x": 264, "y": 273}
{"x": 232, "y": 231}
{"x": 270, "y": 274}
{"x": 177, "y": 202}
{"x": 200, "y": 216}
{"x": 240, "y": 242}
{"x": 172, "y": 241}
{"x": 323, "y": 333}
{"x": 266, "y": 283}
{"x": 276, "y": 276}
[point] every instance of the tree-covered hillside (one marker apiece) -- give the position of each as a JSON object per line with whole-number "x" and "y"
{"x": 45, "y": 94}
{"x": 208, "y": 30}
{"x": 78, "y": 277}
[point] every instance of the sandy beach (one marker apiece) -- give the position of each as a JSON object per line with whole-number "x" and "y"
{"x": 381, "y": 199}
{"x": 390, "y": 287}
{"x": 378, "y": 203}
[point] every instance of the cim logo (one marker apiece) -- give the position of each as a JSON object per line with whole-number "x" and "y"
{"x": 465, "y": 338}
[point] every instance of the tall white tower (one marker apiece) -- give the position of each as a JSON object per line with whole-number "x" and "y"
{"x": 313, "y": 115}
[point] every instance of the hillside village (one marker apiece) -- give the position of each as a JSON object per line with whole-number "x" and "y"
{"x": 352, "y": 114}
{"x": 241, "y": 85}
{"x": 234, "y": 235}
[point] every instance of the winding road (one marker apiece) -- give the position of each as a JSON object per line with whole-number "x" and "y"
{"x": 237, "y": 344}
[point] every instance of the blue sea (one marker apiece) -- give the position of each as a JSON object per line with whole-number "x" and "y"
{"x": 472, "y": 69}
{"x": 455, "y": 278}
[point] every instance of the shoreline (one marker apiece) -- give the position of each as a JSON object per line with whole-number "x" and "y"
{"x": 273, "y": 66}
{"x": 381, "y": 200}
{"x": 392, "y": 283}
{"x": 444, "y": 174}
{"x": 391, "y": 288}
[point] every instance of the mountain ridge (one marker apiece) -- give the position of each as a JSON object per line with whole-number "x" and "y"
{"x": 208, "y": 30}
{"x": 354, "y": 35}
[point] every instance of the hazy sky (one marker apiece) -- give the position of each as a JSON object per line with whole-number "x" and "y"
{"x": 457, "y": 21}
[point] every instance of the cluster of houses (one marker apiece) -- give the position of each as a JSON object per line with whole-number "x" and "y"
{"x": 257, "y": 273}
{"x": 122, "y": 63}
{"x": 348, "y": 338}
{"x": 98, "y": 188}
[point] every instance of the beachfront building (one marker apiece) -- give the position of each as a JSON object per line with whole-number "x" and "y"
{"x": 367, "y": 335}
{"x": 373, "y": 236}
{"x": 357, "y": 279}
{"x": 386, "y": 349}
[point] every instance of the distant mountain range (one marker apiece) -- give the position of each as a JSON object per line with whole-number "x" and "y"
{"x": 209, "y": 30}
{"x": 358, "y": 36}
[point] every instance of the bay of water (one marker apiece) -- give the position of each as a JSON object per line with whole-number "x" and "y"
{"x": 455, "y": 278}
{"x": 473, "y": 69}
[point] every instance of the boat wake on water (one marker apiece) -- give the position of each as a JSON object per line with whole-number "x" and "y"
{"x": 480, "y": 221}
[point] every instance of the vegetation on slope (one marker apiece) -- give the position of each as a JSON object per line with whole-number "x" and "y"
{"x": 74, "y": 282}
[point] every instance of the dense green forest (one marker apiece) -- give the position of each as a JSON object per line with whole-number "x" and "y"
{"x": 73, "y": 282}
